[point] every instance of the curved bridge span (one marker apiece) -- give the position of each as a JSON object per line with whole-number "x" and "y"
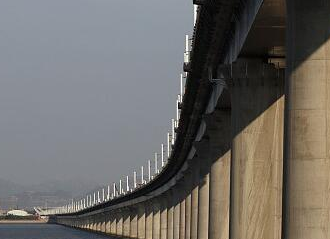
{"x": 249, "y": 153}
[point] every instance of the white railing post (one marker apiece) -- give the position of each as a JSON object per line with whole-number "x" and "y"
{"x": 195, "y": 13}
{"x": 173, "y": 132}
{"x": 114, "y": 190}
{"x": 168, "y": 145}
{"x": 120, "y": 187}
{"x": 127, "y": 184}
{"x": 103, "y": 194}
{"x": 181, "y": 87}
{"x": 156, "y": 164}
{"x": 98, "y": 197}
{"x": 149, "y": 171}
{"x": 142, "y": 175}
{"x": 108, "y": 194}
{"x": 162, "y": 155}
{"x": 134, "y": 180}
{"x": 186, "y": 55}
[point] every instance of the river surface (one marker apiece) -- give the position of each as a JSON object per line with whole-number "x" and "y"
{"x": 43, "y": 231}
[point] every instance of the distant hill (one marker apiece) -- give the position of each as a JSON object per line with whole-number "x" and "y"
{"x": 51, "y": 193}
{"x": 8, "y": 188}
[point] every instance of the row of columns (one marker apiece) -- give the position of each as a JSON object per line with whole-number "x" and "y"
{"x": 233, "y": 185}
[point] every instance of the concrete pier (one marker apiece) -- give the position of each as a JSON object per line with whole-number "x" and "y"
{"x": 141, "y": 221}
{"x": 113, "y": 229}
{"x": 149, "y": 220}
{"x": 156, "y": 220}
{"x": 127, "y": 223}
{"x": 176, "y": 214}
{"x": 203, "y": 191}
{"x": 182, "y": 214}
{"x": 170, "y": 215}
{"x": 134, "y": 223}
{"x": 220, "y": 158}
{"x": 307, "y": 180}
{"x": 163, "y": 217}
{"x": 257, "y": 124}
{"x": 194, "y": 198}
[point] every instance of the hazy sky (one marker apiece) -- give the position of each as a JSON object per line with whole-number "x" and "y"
{"x": 87, "y": 87}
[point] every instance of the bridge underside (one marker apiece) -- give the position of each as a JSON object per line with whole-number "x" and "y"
{"x": 251, "y": 158}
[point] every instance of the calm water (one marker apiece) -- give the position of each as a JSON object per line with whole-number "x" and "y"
{"x": 43, "y": 231}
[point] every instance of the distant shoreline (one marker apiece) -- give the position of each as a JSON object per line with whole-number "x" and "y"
{"x": 22, "y": 221}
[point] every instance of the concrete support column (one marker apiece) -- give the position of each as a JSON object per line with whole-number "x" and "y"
{"x": 156, "y": 219}
{"x": 127, "y": 222}
{"x": 219, "y": 131}
{"x": 120, "y": 223}
{"x": 94, "y": 227}
{"x": 194, "y": 198}
{"x": 103, "y": 222}
{"x": 149, "y": 219}
{"x": 141, "y": 221}
{"x": 113, "y": 226}
{"x": 170, "y": 212}
{"x": 108, "y": 223}
{"x": 134, "y": 223}
{"x": 182, "y": 215}
{"x": 163, "y": 217}
{"x": 257, "y": 149}
{"x": 97, "y": 222}
{"x": 307, "y": 136}
{"x": 204, "y": 188}
{"x": 176, "y": 213}
{"x": 188, "y": 205}
{"x": 88, "y": 222}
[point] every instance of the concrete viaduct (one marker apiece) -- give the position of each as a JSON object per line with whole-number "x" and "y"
{"x": 250, "y": 158}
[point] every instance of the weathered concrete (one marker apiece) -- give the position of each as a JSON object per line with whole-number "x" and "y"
{"x": 204, "y": 189}
{"x": 176, "y": 213}
{"x": 194, "y": 198}
{"x": 170, "y": 214}
{"x": 113, "y": 229}
{"x": 141, "y": 221}
{"x": 163, "y": 217}
{"x": 219, "y": 131}
{"x": 134, "y": 223}
{"x": 103, "y": 222}
{"x": 108, "y": 223}
{"x": 149, "y": 220}
{"x": 120, "y": 222}
{"x": 307, "y": 201}
{"x": 182, "y": 215}
{"x": 156, "y": 219}
{"x": 257, "y": 123}
{"x": 127, "y": 222}
{"x": 188, "y": 208}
